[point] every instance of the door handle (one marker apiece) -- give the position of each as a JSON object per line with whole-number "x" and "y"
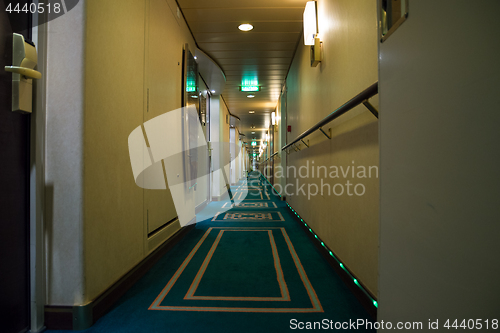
{"x": 24, "y": 60}
{"x": 28, "y": 72}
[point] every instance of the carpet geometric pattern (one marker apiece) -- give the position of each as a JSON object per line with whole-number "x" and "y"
{"x": 248, "y": 269}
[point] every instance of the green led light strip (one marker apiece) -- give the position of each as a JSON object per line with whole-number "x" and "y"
{"x": 356, "y": 282}
{"x": 271, "y": 185}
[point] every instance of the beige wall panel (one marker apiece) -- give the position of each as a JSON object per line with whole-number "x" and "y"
{"x": 347, "y": 224}
{"x": 113, "y": 108}
{"x": 163, "y": 79}
{"x": 120, "y": 57}
{"x": 167, "y": 35}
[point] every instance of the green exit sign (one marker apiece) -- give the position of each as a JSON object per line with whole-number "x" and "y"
{"x": 249, "y": 88}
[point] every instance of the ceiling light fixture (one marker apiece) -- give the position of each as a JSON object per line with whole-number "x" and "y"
{"x": 250, "y": 96}
{"x": 245, "y": 27}
{"x": 251, "y": 111}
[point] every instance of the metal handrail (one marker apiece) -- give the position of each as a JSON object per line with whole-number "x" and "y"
{"x": 355, "y": 101}
{"x": 267, "y": 159}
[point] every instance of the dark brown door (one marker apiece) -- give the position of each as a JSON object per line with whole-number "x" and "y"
{"x": 14, "y": 190}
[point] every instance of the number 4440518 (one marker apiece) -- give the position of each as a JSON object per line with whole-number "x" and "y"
{"x": 34, "y": 8}
{"x": 472, "y": 324}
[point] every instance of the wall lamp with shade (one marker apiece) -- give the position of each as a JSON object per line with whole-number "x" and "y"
{"x": 311, "y": 32}
{"x": 274, "y": 120}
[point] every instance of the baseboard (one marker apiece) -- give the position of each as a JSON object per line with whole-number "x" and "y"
{"x": 225, "y": 196}
{"x": 84, "y": 316}
{"x": 59, "y": 317}
{"x": 200, "y": 207}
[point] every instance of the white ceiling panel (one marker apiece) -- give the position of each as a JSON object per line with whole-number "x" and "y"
{"x": 241, "y": 3}
{"x": 243, "y": 14}
{"x": 262, "y": 54}
{"x": 245, "y": 37}
{"x": 261, "y": 46}
{"x": 261, "y": 26}
{"x": 223, "y": 62}
{"x": 253, "y": 54}
{"x": 256, "y": 67}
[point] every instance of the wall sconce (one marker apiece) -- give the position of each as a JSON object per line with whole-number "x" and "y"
{"x": 274, "y": 121}
{"x": 311, "y": 32}
{"x": 310, "y": 23}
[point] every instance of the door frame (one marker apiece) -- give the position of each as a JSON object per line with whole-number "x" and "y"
{"x": 37, "y": 182}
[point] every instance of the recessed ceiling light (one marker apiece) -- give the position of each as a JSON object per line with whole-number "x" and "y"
{"x": 253, "y": 132}
{"x": 251, "y": 111}
{"x": 245, "y": 27}
{"x": 250, "y": 96}
{"x": 213, "y": 91}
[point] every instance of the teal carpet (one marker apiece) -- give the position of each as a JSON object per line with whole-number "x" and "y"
{"x": 248, "y": 269}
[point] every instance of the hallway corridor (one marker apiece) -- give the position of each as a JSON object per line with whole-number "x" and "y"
{"x": 249, "y": 269}
{"x": 249, "y": 166}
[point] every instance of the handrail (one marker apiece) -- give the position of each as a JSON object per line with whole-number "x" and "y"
{"x": 355, "y": 101}
{"x": 267, "y": 159}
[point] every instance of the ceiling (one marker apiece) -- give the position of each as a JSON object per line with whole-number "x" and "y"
{"x": 263, "y": 54}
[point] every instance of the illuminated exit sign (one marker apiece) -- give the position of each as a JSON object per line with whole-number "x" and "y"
{"x": 249, "y": 88}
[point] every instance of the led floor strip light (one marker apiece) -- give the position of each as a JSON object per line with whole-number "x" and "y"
{"x": 270, "y": 184}
{"x": 356, "y": 282}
